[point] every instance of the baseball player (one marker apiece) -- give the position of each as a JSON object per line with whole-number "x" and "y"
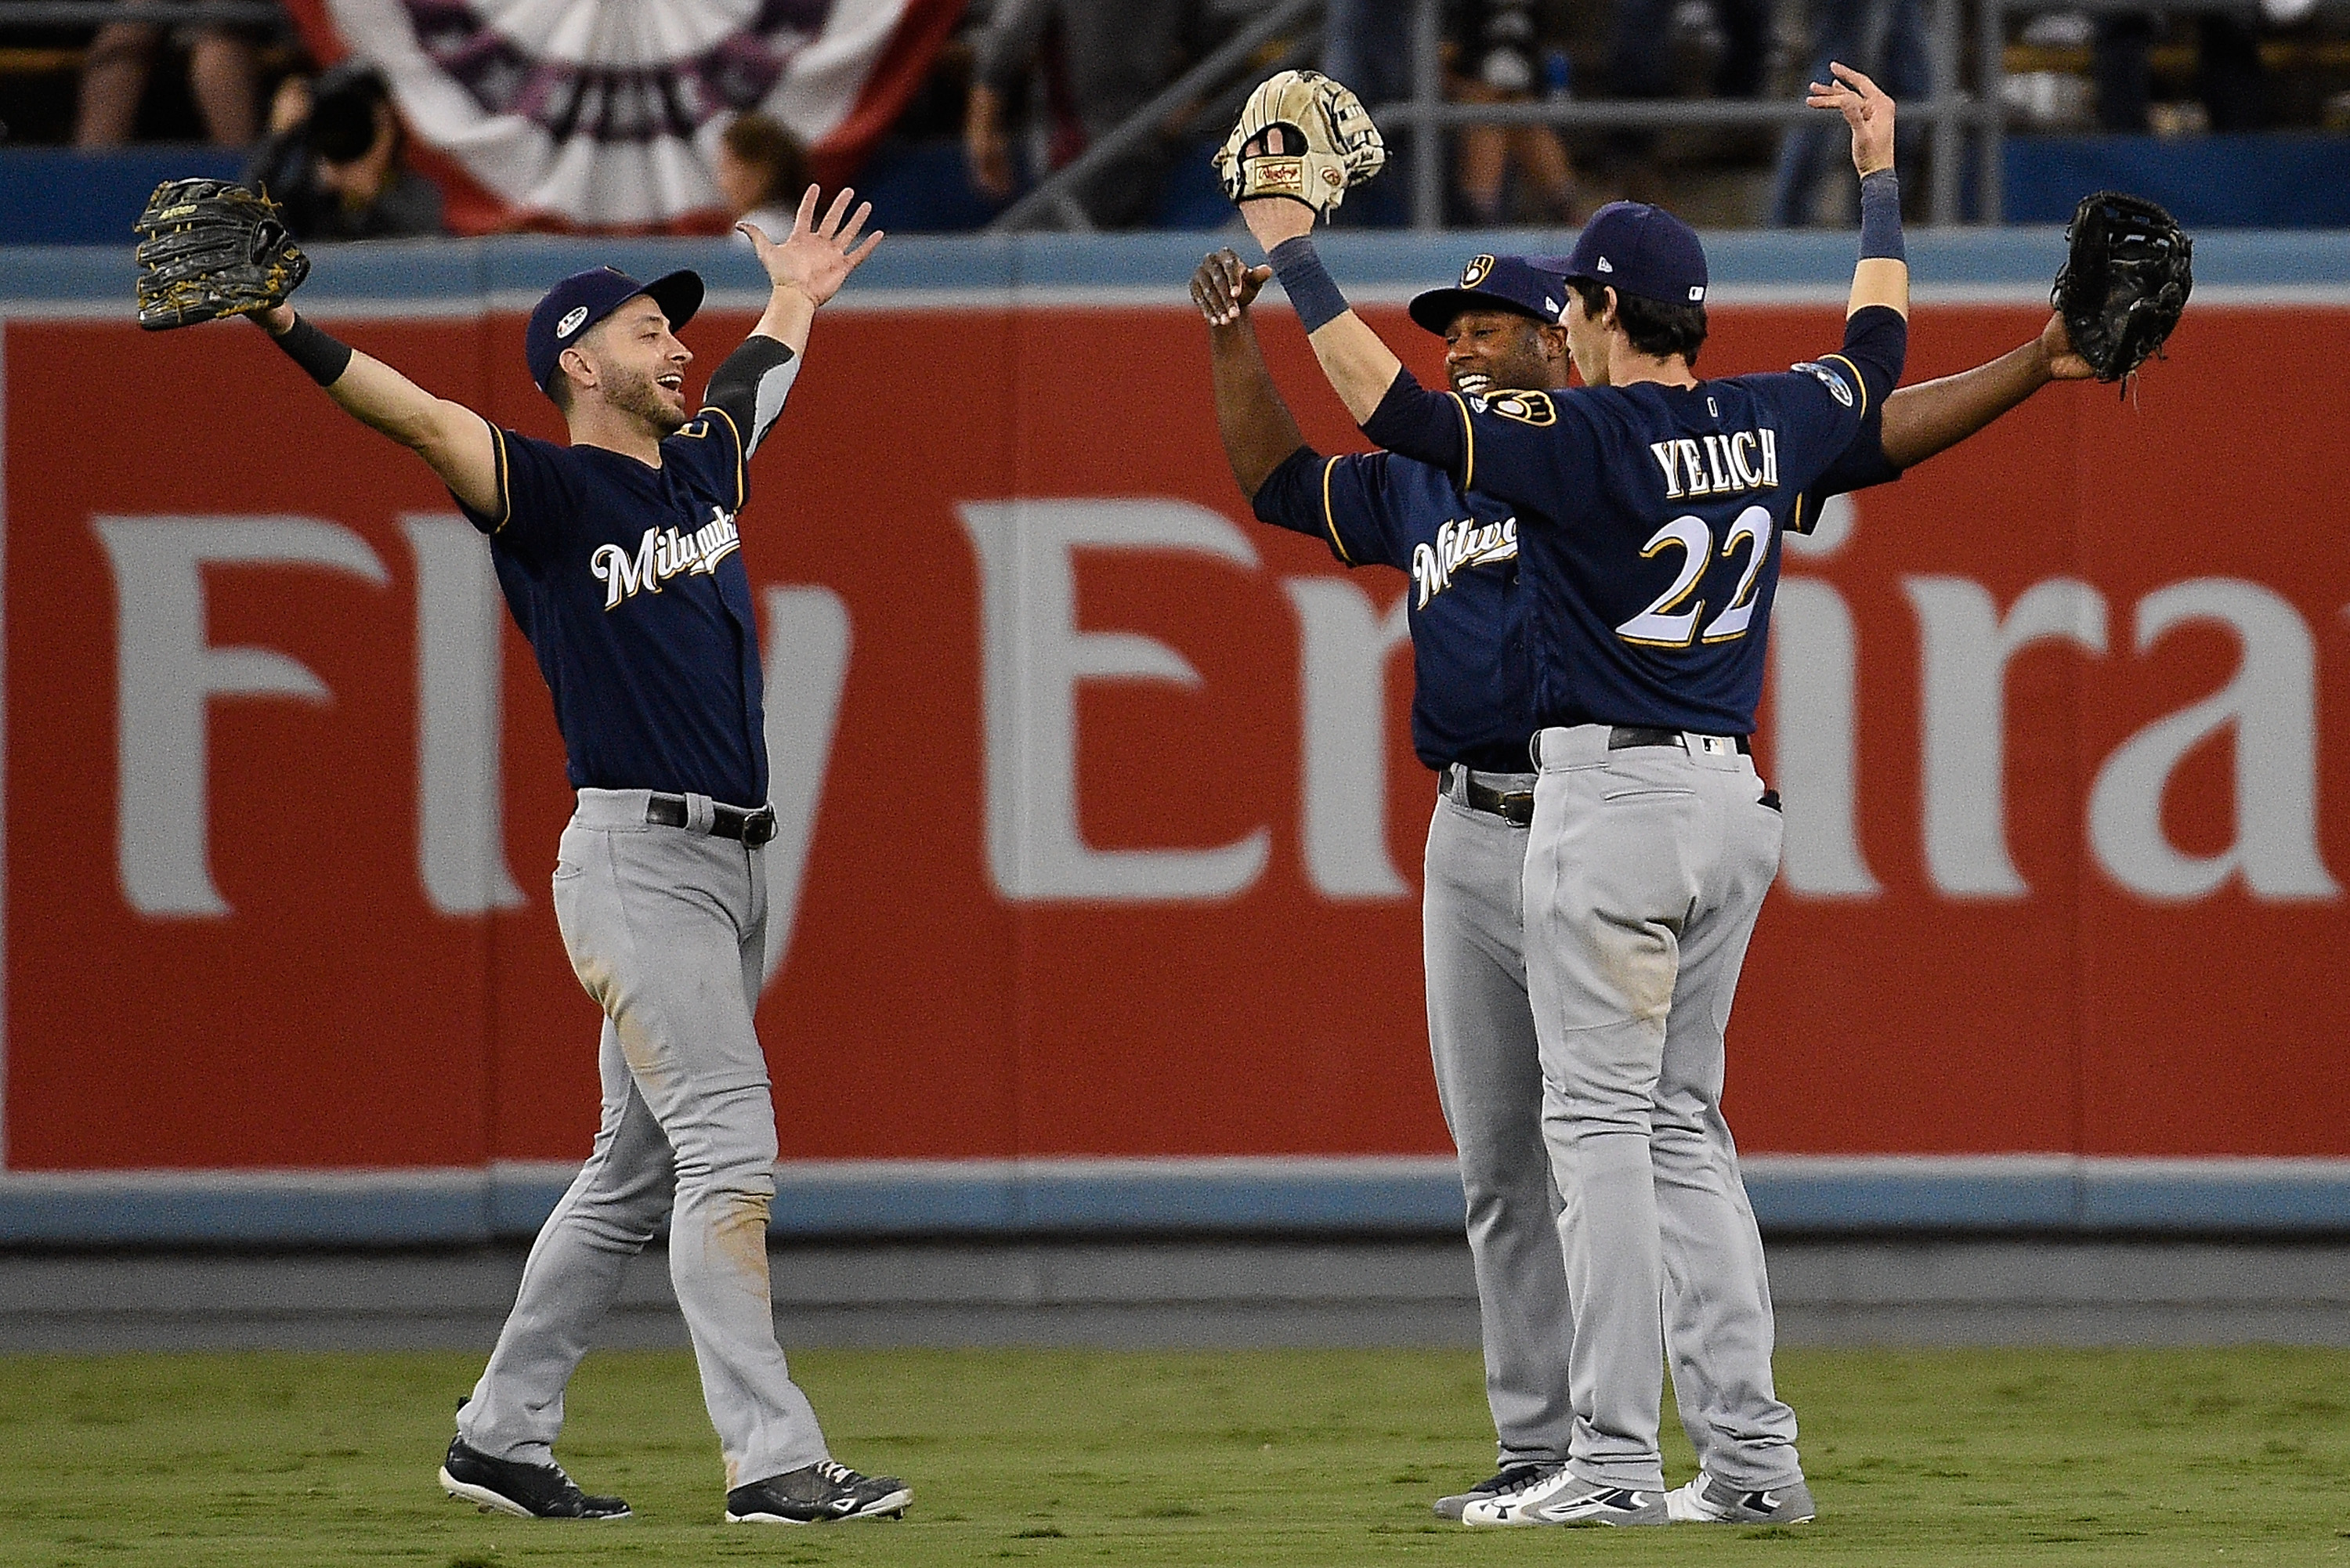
{"x": 1650, "y": 505}
{"x": 1472, "y": 720}
{"x": 619, "y": 557}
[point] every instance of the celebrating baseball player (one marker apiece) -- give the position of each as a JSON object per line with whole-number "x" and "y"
{"x": 619, "y": 557}
{"x": 1471, "y": 715}
{"x": 1649, "y": 506}
{"x": 1471, "y": 721}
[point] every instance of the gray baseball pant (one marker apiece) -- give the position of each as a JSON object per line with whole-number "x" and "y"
{"x": 1481, "y": 1036}
{"x": 666, "y": 927}
{"x": 1645, "y": 870}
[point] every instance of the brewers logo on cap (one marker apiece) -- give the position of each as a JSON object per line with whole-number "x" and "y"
{"x": 1474, "y": 273}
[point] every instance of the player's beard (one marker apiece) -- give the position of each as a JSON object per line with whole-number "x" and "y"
{"x": 634, "y": 392}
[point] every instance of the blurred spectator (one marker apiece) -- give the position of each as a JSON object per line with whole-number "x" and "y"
{"x": 222, "y": 78}
{"x": 333, "y": 161}
{"x": 2229, "y": 75}
{"x": 1640, "y": 66}
{"x": 1114, "y": 56}
{"x": 1497, "y": 49}
{"x": 761, "y": 170}
{"x": 1886, "y": 38}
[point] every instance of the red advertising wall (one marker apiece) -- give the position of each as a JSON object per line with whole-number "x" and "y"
{"x": 2068, "y": 745}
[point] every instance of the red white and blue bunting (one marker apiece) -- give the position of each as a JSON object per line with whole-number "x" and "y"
{"x": 602, "y": 114}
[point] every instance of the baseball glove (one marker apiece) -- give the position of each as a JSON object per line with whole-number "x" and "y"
{"x": 1303, "y": 136}
{"x": 208, "y": 249}
{"x": 2124, "y": 282}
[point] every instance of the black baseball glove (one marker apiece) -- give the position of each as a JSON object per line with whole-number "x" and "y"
{"x": 208, "y": 249}
{"x": 2124, "y": 282}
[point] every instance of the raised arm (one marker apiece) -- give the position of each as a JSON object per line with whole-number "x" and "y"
{"x": 452, "y": 439}
{"x": 1882, "y": 276}
{"x": 1360, "y": 367}
{"x": 1257, "y": 429}
{"x": 805, "y": 269}
{"x": 1934, "y": 416}
{"x": 808, "y": 266}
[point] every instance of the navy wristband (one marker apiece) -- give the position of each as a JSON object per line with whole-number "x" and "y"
{"x": 1307, "y": 283}
{"x": 319, "y": 355}
{"x": 1880, "y": 217}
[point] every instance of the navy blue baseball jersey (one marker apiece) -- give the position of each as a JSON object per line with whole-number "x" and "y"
{"x": 1650, "y": 517}
{"x": 628, "y": 581}
{"x": 1470, "y": 701}
{"x": 1472, "y": 687}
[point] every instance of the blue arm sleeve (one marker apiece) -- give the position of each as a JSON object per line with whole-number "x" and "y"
{"x": 1876, "y": 344}
{"x": 1430, "y": 426}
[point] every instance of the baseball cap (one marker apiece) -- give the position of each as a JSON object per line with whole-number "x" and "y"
{"x": 1494, "y": 283}
{"x": 1634, "y": 248}
{"x": 584, "y": 298}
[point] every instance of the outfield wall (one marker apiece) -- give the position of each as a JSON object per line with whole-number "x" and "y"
{"x": 1097, "y": 896}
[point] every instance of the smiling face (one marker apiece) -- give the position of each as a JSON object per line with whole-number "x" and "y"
{"x": 634, "y": 364}
{"x": 1502, "y": 350}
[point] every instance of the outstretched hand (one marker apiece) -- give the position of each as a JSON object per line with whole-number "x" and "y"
{"x": 2057, "y": 348}
{"x": 1223, "y": 288}
{"x": 816, "y": 257}
{"x": 1866, "y": 108}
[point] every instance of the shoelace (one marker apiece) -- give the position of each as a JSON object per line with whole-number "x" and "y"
{"x": 836, "y": 1473}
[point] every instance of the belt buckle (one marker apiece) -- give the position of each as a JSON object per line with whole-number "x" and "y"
{"x": 759, "y": 826}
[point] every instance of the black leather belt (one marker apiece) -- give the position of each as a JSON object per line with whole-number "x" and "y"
{"x": 1624, "y": 737}
{"x": 753, "y": 827}
{"x": 1515, "y": 808}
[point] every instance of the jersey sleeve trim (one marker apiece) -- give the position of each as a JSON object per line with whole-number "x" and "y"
{"x": 1468, "y": 442}
{"x": 740, "y": 491}
{"x": 1858, "y": 380}
{"x": 505, "y": 485}
{"x": 1329, "y": 515}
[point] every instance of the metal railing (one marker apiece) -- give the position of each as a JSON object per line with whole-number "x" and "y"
{"x": 1946, "y": 114}
{"x": 1061, "y": 194}
{"x": 1056, "y": 202}
{"x": 1990, "y": 46}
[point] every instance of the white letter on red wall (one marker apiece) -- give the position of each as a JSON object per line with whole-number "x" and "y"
{"x": 166, "y": 675}
{"x": 807, "y": 666}
{"x": 1034, "y": 657}
{"x": 1815, "y": 731}
{"x": 461, "y": 840}
{"x": 1343, "y": 647}
{"x": 2272, "y": 702}
{"x": 1966, "y": 649}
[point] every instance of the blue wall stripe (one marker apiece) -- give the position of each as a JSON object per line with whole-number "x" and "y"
{"x": 458, "y": 273}
{"x": 1172, "y": 1196}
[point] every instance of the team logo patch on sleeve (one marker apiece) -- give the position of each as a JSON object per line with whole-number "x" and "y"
{"x": 1833, "y": 379}
{"x": 1526, "y": 408}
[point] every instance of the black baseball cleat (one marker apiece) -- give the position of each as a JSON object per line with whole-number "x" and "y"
{"x": 530, "y": 1491}
{"x": 816, "y": 1494}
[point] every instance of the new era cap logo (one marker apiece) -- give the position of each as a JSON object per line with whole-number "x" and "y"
{"x": 1602, "y": 266}
{"x": 1696, "y": 292}
{"x": 571, "y": 320}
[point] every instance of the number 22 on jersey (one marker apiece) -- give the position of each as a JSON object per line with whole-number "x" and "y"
{"x": 1665, "y": 624}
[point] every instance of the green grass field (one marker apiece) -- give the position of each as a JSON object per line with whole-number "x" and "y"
{"x": 1063, "y": 1457}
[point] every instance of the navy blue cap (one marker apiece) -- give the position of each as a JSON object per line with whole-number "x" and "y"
{"x": 584, "y": 298}
{"x": 1634, "y": 248}
{"x": 1494, "y": 283}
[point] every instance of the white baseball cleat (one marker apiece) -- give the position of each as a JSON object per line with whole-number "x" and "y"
{"x": 1563, "y": 1498}
{"x": 1707, "y": 1500}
